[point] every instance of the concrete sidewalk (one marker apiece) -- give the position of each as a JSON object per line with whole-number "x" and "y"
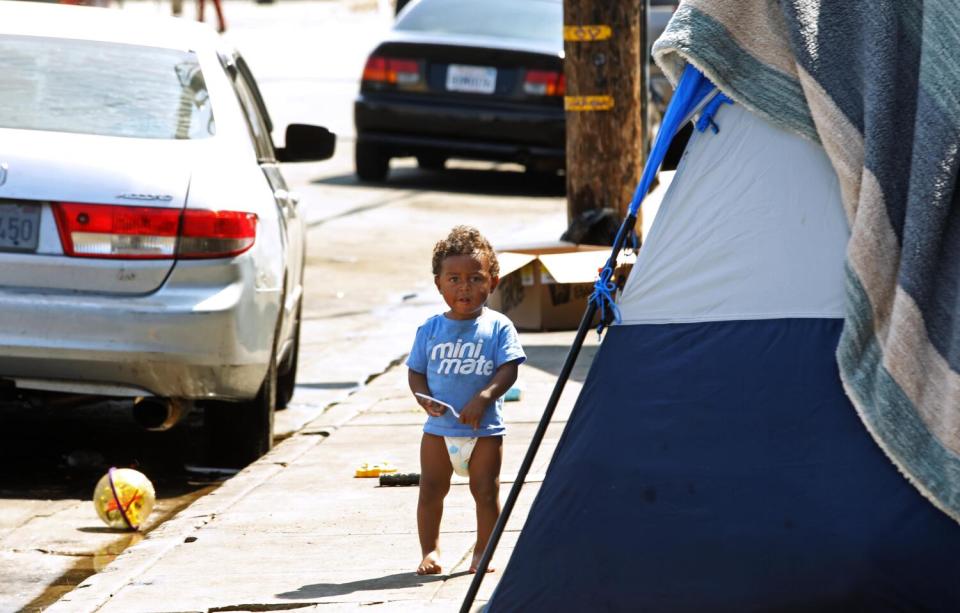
{"x": 297, "y": 530}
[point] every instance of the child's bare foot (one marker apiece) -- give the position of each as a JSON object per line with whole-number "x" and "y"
{"x": 475, "y": 563}
{"x": 430, "y": 564}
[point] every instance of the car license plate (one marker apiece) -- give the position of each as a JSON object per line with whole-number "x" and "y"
{"x": 19, "y": 226}
{"x": 473, "y": 79}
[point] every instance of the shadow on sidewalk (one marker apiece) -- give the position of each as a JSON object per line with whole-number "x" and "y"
{"x": 550, "y": 358}
{"x": 492, "y": 182}
{"x": 398, "y": 580}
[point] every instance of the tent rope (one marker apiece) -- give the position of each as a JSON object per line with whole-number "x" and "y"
{"x": 706, "y": 118}
{"x": 603, "y": 296}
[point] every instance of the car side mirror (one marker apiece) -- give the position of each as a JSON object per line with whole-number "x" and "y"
{"x": 307, "y": 143}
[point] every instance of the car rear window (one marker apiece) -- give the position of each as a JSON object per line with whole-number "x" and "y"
{"x": 536, "y": 20}
{"x": 102, "y": 88}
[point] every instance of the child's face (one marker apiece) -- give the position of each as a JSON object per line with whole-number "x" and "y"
{"x": 465, "y": 282}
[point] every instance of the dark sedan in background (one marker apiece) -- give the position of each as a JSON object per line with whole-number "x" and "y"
{"x": 477, "y": 79}
{"x": 472, "y": 79}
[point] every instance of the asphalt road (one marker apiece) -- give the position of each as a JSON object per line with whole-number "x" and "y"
{"x": 368, "y": 286}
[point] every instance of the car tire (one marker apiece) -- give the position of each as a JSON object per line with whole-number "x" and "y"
{"x": 238, "y": 433}
{"x": 371, "y": 163}
{"x": 287, "y": 373}
{"x": 431, "y": 162}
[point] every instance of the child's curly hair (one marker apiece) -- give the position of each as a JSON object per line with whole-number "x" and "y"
{"x": 465, "y": 240}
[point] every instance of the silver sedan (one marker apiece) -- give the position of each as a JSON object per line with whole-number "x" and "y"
{"x": 149, "y": 248}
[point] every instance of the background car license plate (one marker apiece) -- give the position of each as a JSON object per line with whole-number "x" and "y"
{"x": 474, "y": 79}
{"x": 19, "y": 226}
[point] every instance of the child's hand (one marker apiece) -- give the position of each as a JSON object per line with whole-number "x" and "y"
{"x": 472, "y": 413}
{"x": 431, "y": 407}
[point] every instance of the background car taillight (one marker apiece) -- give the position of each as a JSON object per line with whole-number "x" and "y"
{"x": 544, "y": 83}
{"x": 392, "y": 71}
{"x": 137, "y": 232}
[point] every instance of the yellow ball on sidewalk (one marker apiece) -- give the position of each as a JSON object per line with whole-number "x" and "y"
{"x": 124, "y": 498}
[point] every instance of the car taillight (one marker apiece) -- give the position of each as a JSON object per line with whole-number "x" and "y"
{"x": 106, "y": 231}
{"x": 215, "y": 234}
{"x": 544, "y": 83}
{"x": 391, "y": 71}
{"x": 139, "y": 232}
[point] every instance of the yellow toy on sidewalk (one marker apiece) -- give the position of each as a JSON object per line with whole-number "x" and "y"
{"x": 368, "y": 469}
{"x": 124, "y": 498}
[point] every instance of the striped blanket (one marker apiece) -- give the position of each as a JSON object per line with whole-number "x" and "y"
{"x": 877, "y": 84}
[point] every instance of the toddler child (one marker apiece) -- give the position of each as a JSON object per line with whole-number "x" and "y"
{"x": 467, "y": 358}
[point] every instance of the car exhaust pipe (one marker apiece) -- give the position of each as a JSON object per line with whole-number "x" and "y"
{"x": 159, "y": 414}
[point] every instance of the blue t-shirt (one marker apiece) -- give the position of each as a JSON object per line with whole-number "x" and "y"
{"x": 459, "y": 358}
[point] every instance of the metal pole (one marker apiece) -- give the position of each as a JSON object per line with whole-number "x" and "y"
{"x": 625, "y": 228}
{"x": 531, "y": 454}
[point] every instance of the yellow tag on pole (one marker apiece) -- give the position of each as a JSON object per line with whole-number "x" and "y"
{"x": 587, "y": 103}
{"x": 587, "y": 33}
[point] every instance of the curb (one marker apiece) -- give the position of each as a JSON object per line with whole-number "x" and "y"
{"x": 135, "y": 561}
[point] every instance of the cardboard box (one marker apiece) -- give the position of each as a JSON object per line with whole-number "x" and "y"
{"x": 546, "y": 286}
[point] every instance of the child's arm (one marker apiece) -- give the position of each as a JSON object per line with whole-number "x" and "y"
{"x": 418, "y": 384}
{"x": 505, "y": 376}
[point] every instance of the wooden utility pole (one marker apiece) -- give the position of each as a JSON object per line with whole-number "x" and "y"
{"x": 604, "y": 45}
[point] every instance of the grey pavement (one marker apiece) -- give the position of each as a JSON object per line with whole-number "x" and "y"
{"x": 296, "y": 530}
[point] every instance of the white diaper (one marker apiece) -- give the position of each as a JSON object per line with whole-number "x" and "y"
{"x": 460, "y": 448}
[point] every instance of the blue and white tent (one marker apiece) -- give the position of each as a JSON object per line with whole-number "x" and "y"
{"x": 713, "y": 461}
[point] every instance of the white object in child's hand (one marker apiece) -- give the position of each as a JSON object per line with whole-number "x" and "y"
{"x": 440, "y": 402}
